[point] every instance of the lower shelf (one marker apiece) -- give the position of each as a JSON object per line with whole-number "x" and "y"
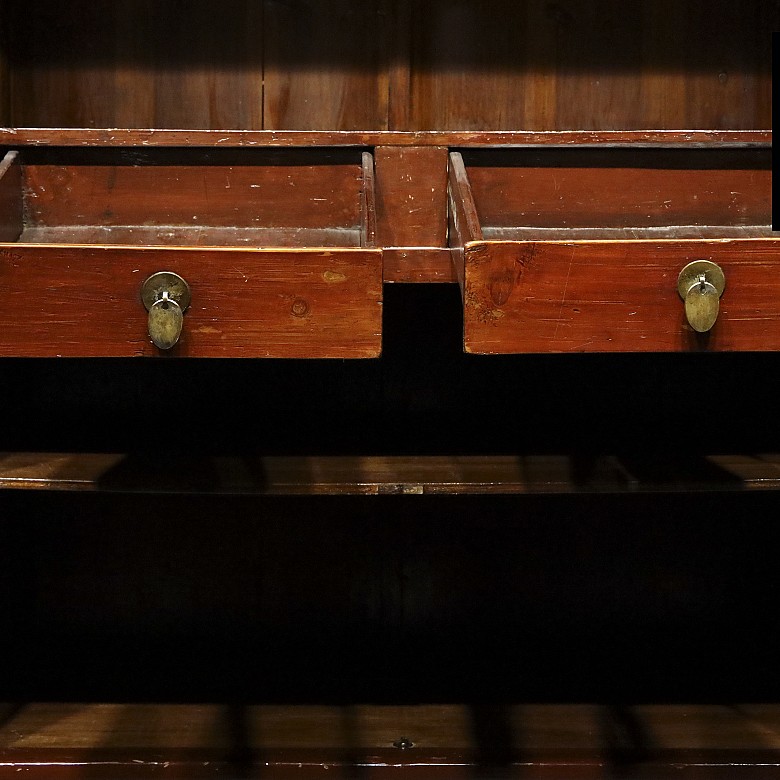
{"x": 454, "y": 741}
{"x": 384, "y": 475}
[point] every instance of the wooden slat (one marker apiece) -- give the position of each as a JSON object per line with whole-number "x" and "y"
{"x": 11, "y": 200}
{"x": 384, "y": 475}
{"x": 368, "y": 203}
{"x": 608, "y": 296}
{"x": 464, "y": 225}
{"x": 35, "y": 136}
{"x": 324, "y": 65}
{"x": 246, "y": 303}
{"x": 412, "y": 196}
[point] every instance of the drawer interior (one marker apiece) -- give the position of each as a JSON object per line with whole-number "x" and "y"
{"x": 188, "y": 197}
{"x": 587, "y": 193}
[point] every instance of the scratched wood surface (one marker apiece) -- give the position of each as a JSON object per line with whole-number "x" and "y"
{"x": 582, "y": 250}
{"x": 412, "y": 196}
{"x": 123, "y": 137}
{"x": 596, "y": 296}
{"x": 244, "y": 188}
{"x": 85, "y": 301}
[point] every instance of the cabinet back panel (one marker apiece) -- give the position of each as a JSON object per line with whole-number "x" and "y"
{"x": 390, "y": 64}
{"x": 137, "y": 64}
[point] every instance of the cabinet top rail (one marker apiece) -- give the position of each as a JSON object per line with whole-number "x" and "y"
{"x": 226, "y": 138}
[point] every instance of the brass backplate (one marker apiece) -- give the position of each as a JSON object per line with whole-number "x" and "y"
{"x": 692, "y": 273}
{"x": 165, "y": 281}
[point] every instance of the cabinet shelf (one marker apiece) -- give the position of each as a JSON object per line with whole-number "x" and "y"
{"x": 384, "y": 475}
{"x": 448, "y": 741}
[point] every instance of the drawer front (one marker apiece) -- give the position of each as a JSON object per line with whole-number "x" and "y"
{"x": 613, "y": 296}
{"x": 79, "y": 301}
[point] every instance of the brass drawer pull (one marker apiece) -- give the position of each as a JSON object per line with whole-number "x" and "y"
{"x": 166, "y": 297}
{"x": 700, "y": 284}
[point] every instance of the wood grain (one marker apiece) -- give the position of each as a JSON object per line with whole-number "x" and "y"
{"x": 84, "y": 301}
{"x": 602, "y": 65}
{"x": 368, "y": 202}
{"x": 380, "y": 475}
{"x": 5, "y": 73}
{"x": 464, "y": 225}
{"x": 11, "y": 200}
{"x": 262, "y": 188}
{"x": 562, "y": 741}
{"x": 118, "y": 137}
{"x": 418, "y": 264}
{"x": 325, "y": 65}
{"x": 609, "y": 296}
{"x": 576, "y": 188}
{"x": 412, "y": 196}
{"x": 137, "y": 64}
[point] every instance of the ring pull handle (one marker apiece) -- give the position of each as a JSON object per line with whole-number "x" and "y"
{"x": 166, "y": 297}
{"x": 701, "y": 284}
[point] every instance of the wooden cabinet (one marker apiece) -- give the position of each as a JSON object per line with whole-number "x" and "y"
{"x": 432, "y": 563}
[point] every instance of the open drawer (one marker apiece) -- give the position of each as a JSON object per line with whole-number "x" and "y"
{"x": 275, "y": 246}
{"x": 581, "y": 249}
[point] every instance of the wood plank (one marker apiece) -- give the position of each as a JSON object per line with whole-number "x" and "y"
{"x": 11, "y": 200}
{"x": 566, "y": 727}
{"x": 246, "y": 303}
{"x": 418, "y": 264}
{"x": 581, "y": 188}
{"x": 368, "y": 203}
{"x": 500, "y": 65}
{"x": 239, "y": 188}
{"x": 634, "y": 139}
{"x": 384, "y": 475}
{"x": 338, "y": 78}
{"x": 412, "y": 196}
{"x": 137, "y": 64}
{"x": 562, "y": 741}
{"x": 610, "y": 296}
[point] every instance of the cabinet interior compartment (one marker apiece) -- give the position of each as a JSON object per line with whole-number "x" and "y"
{"x": 188, "y": 197}
{"x": 577, "y": 194}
